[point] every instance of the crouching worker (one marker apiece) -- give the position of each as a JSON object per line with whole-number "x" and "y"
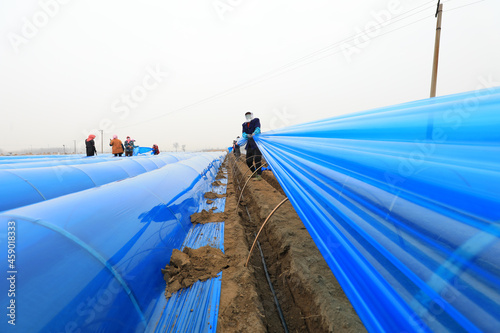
{"x": 251, "y": 127}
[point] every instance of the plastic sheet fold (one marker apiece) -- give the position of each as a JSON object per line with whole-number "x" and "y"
{"x": 403, "y": 202}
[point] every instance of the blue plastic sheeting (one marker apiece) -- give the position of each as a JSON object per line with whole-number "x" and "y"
{"x": 90, "y": 260}
{"x": 194, "y": 309}
{"x": 47, "y": 182}
{"x": 37, "y": 163}
{"x": 211, "y": 234}
{"x": 200, "y": 165}
{"x": 142, "y": 150}
{"x": 17, "y": 157}
{"x": 403, "y": 203}
{"x": 204, "y": 303}
{"x": 69, "y": 160}
{"x": 39, "y": 158}
{"x": 25, "y": 186}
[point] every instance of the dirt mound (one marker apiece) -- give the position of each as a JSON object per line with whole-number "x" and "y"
{"x": 206, "y": 216}
{"x": 212, "y": 195}
{"x": 218, "y": 183}
{"x": 271, "y": 180}
{"x": 191, "y": 265}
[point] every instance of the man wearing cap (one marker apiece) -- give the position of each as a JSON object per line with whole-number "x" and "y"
{"x": 251, "y": 127}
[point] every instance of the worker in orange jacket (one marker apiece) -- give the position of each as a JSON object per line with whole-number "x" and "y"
{"x": 117, "y": 146}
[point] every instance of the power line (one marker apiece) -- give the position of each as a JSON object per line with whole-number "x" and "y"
{"x": 284, "y": 69}
{"x": 391, "y": 21}
{"x": 281, "y": 69}
{"x": 469, "y": 4}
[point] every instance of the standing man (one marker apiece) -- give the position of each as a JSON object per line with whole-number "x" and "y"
{"x": 251, "y": 127}
{"x": 236, "y": 148}
{"x": 129, "y": 146}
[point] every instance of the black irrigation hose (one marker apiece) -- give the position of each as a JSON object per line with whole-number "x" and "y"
{"x": 268, "y": 278}
{"x": 285, "y": 328}
{"x": 276, "y": 302}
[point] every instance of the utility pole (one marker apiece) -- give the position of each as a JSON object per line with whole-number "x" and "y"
{"x": 74, "y": 141}
{"x": 439, "y": 12}
{"x": 102, "y": 136}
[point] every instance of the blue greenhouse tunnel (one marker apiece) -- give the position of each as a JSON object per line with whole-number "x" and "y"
{"x": 90, "y": 260}
{"x": 403, "y": 202}
{"x": 27, "y": 185}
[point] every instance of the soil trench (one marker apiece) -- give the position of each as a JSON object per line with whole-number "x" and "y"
{"x": 309, "y": 295}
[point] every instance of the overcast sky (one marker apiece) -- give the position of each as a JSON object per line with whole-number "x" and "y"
{"x": 187, "y": 71}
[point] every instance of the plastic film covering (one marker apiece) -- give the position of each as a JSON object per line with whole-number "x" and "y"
{"x": 24, "y": 186}
{"x": 38, "y": 163}
{"x": 90, "y": 261}
{"x": 142, "y": 150}
{"x": 194, "y": 309}
{"x": 403, "y": 203}
{"x": 39, "y": 158}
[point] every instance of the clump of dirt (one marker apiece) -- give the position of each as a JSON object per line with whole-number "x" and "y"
{"x": 191, "y": 265}
{"x": 209, "y": 202}
{"x": 218, "y": 183}
{"x": 212, "y": 195}
{"x": 206, "y": 216}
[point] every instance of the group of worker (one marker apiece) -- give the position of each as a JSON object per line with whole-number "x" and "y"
{"x": 251, "y": 127}
{"x": 118, "y": 147}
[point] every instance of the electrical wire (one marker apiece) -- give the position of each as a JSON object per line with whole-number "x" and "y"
{"x": 469, "y": 4}
{"x": 285, "y": 68}
{"x": 272, "y": 74}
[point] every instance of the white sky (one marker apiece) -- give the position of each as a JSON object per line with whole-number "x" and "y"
{"x": 64, "y": 69}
